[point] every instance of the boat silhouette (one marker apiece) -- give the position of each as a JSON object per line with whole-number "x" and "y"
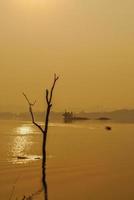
{"x": 69, "y": 117}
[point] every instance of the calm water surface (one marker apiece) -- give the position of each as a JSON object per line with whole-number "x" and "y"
{"x": 84, "y": 161}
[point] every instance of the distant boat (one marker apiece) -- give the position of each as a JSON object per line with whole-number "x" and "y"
{"x": 69, "y": 117}
{"x": 22, "y": 157}
{"x": 109, "y": 128}
{"x": 103, "y": 118}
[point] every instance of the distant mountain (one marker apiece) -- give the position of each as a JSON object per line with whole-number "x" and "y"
{"x": 122, "y": 115}
{"x": 7, "y": 115}
{"x": 39, "y": 116}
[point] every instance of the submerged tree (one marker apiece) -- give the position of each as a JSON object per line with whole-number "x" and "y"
{"x": 49, "y": 96}
{"x": 44, "y": 131}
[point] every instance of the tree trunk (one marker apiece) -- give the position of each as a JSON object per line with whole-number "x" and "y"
{"x": 44, "y": 151}
{"x": 44, "y": 131}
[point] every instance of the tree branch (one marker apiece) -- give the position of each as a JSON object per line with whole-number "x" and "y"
{"x": 31, "y": 112}
{"x": 52, "y": 88}
{"x": 49, "y": 96}
{"x": 49, "y": 100}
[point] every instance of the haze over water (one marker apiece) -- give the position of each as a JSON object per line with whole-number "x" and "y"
{"x": 84, "y": 161}
{"x": 90, "y": 44}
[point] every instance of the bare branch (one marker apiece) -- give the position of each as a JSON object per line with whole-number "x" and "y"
{"x": 52, "y": 88}
{"x": 31, "y": 112}
{"x": 26, "y": 98}
{"x": 56, "y": 77}
{"x": 49, "y": 95}
{"x": 47, "y": 98}
{"x": 30, "y": 104}
{"x": 49, "y": 104}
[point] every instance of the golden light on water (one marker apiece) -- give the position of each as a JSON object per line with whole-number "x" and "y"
{"x": 21, "y": 144}
{"x": 24, "y": 130}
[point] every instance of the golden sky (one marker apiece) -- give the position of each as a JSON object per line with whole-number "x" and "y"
{"x": 89, "y": 43}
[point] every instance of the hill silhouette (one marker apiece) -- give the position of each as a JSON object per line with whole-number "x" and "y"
{"x": 122, "y": 115}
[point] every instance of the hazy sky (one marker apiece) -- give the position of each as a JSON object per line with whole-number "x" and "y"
{"x": 89, "y": 43}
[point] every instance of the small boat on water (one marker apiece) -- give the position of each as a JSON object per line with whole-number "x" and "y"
{"x": 69, "y": 117}
{"x": 109, "y": 128}
{"x": 103, "y": 118}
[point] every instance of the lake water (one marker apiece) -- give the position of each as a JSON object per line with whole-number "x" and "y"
{"x": 84, "y": 161}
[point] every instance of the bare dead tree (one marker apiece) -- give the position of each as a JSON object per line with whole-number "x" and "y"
{"x": 49, "y": 96}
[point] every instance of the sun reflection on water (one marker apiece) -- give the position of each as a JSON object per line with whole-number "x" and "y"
{"x": 22, "y": 144}
{"x": 19, "y": 145}
{"x": 24, "y": 130}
